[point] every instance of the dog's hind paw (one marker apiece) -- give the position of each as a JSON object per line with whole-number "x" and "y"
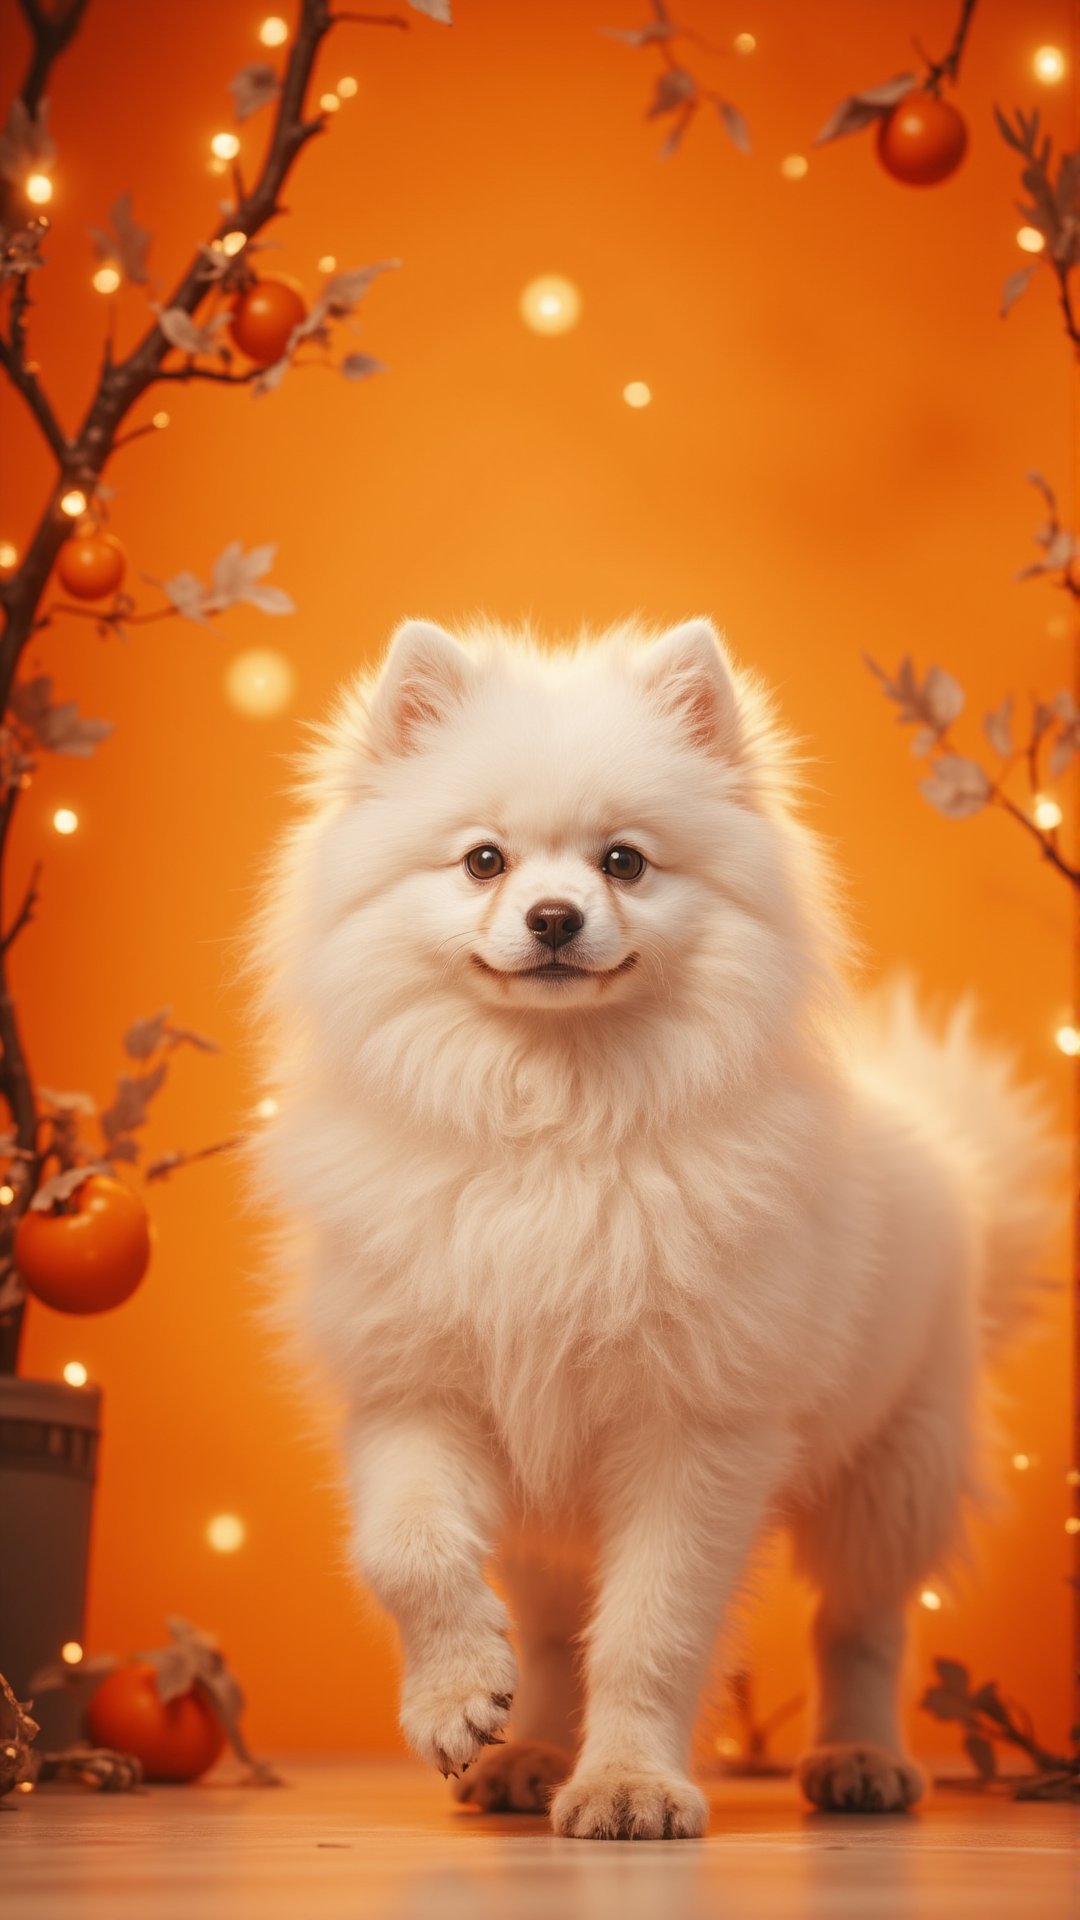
{"x": 517, "y": 1777}
{"x": 859, "y": 1779}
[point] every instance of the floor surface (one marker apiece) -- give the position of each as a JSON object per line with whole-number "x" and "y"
{"x": 385, "y": 1842}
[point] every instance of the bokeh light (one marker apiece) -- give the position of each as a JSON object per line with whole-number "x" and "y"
{"x": 551, "y": 304}
{"x": 260, "y": 682}
{"x": 226, "y": 1532}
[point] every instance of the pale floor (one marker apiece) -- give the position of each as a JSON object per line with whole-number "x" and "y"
{"x": 384, "y": 1842}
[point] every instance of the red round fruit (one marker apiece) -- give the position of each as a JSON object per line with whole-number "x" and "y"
{"x": 922, "y": 140}
{"x": 263, "y": 318}
{"x": 91, "y": 565}
{"x": 89, "y": 1253}
{"x": 175, "y": 1739}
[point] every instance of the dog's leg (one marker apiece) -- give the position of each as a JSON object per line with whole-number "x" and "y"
{"x": 547, "y": 1598}
{"x": 427, "y": 1505}
{"x": 878, "y": 1529}
{"x": 678, "y": 1514}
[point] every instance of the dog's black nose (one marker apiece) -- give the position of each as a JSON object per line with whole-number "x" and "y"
{"x": 554, "y": 923}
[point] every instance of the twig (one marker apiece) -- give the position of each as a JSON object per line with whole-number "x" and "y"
{"x": 26, "y": 911}
{"x": 14, "y": 362}
{"x": 948, "y": 68}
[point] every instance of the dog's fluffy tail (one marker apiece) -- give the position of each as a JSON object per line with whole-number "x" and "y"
{"x": 975, "y": 1100}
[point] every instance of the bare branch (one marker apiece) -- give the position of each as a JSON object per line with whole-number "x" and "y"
{"x": 26, "y": 911}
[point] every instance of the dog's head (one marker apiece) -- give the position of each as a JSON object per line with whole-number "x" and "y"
{"x": 551, "y": 837}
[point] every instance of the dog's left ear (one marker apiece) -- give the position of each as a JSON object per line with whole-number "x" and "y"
{"x": 687, "y": 672}
{"x": 426, "y": 673}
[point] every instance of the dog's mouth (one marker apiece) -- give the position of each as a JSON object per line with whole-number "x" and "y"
{"x": 556, "y": 972}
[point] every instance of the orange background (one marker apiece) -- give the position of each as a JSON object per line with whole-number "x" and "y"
{"x": 833, "y": 461}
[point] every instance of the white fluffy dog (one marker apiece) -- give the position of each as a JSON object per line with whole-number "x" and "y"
{"x": 621, "y": 1233}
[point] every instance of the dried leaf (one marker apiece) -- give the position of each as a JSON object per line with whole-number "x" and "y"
{"x": 957, "y": 787}
{"x": 236, "y": 577}
{"x": 67, "y": 1102}
{"x": 183, "y": 332}
{"x": 253, "y": 87}
{"x": 1016, "y": 284}
{"x": 734, "y": 125}
{"x": 943, "y": 697}
{"x": 858, "y": 110}
{"x": 648, "y": 35}
{"x": 1060, "y": 757}
{"x": 128, "y": 244}
{"x": 674, "y": 86}
{"x": 131, "y": 1106}
{"x": 360, "y": 366}
{"x": 56, "y": 728}
{"x": 981, "y": 1754}
{"x": 435, "y": 9}
{"x": 62, "y": 1185}
{"x": 147, "y": 1035}
{"x": 997, "y": 726}
{"x": 680, "y": 126}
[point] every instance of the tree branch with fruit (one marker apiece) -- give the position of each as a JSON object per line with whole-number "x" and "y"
{"x": 224, "y": 322}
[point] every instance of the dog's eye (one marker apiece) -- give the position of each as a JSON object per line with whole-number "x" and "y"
{"x": 484, "y": 863}
{"x": 624, "y": 863}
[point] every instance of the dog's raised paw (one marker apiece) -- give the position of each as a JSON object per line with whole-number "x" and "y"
{"x": 618, "y": 1803}
{"x": 859, "y": 1779}
{"x": 453, "y": 1710}
{"x": 516, "y": 1777}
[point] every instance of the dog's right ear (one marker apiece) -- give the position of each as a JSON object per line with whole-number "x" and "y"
{"x": 425, "y": 675}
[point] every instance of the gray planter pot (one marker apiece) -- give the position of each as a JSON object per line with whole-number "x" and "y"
{"x": 49, "y": 1435}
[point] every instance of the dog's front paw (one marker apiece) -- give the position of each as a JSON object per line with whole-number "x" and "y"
{"x": 455, "y": 1703}
{"x": 859, "y": 1779}
{"x": 518, "y": 1777}
{"x": 622, "y": 1803}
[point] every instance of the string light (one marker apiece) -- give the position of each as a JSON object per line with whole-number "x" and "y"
{"x": 226, "y": 1532}
{"x": 266, "y": 1109}
{"x": 550, "y": 304}
{"x": 9, "y": 554}
{"x": 71, "y": 1653}
{"x": 259, "y": 683}
{"x": 7, "y": 1195}
{"x": 75, "y": 1374}
{"x": 328, "y": 263}
{"x": 329, "y": 102}
{"x": 65, "y": 821}
{"x": 930, "y": 1600}
{"x": 1021, "y": 1461}
{"x": 274, "y": 32}
{"x": 1030, "y": 240}
{"x": 795, "y": 167}
{"x": 347, "y": 87}
{"x": 744, "y": 43}
{"x": 636, "y": 394}
{"x": 1067, "y": 1039}
{"x": 225, "y": 146}
{"x": 160, "y": 421}
{"x": 73, "y": 503}
{"x": 1049, "y": 65}
{"x": 39, "y": 189}
{"x": 233, "y": 242}
{"x": 1046, "y": 813}
{"x": 106, "y": 280}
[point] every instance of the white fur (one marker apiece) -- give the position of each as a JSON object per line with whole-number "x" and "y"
{"x": 609, "y": 1274}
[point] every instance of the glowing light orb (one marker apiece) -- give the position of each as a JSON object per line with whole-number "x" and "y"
{"x": 39, "y": 189}
{"x": 66, "y": 821}
{"x": 71, "y": 1653}
{"x": 225, "y": 146}
{"x": 226, "y": 1532}
{"x": 9, "y": 555}
{"x": 1046, "y": 813}
{"x": 637, "y": 394}
{"x": 1030, "y": 240}
{"x": 795, "y": 166}
{"x": 75, "y": 1374}
{"x": 930, "y": 1600}
{"x": 348, "y": 87}
{"x": 1048, "y": 65}
{"x": 260, "y": 682}
{"x": 73, "y": 503}
{"x": 274, "y": 31}
{"x": 744, "y": 43}
{"x": 1067, "y": 1039}
{"x": 551, "y": 304}
{"x": 106, "y": 280}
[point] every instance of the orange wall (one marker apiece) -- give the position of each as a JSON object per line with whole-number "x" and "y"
{"x": 833, "y": 461}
